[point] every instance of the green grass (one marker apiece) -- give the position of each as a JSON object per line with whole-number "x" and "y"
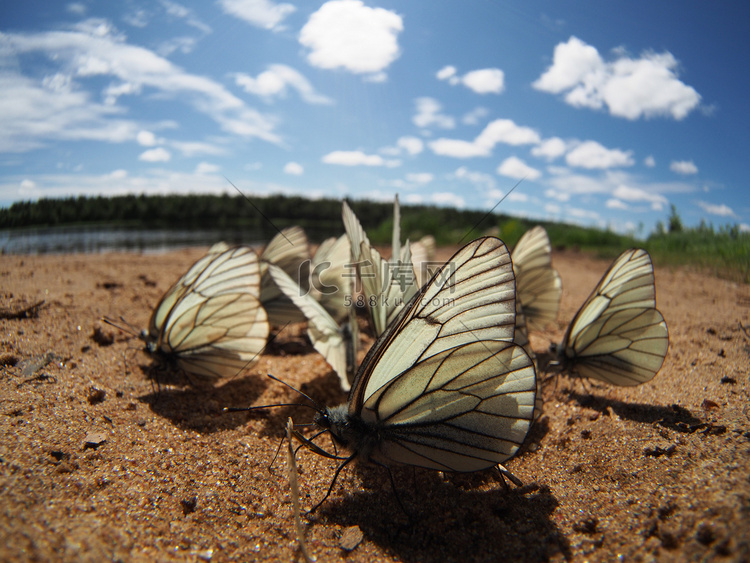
{"x": 725, "y": 254}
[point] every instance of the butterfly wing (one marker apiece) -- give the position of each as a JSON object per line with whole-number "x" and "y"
{"x": 447, "y": 369}
{"x": 471, "y": 298}
{"x": 331, "y": 281}
{"x": 234, "y": 270}
{"x": 387, "y": 284}
{"x": 538, "y": 283}
{"x": 324, "y": 332}
{"x": 466, "y": 408}
{"x": 624, "y": 347}
{"x": 422, "y": 257}
{"x": 218, "y": 337}
{"x": 211, "y": 320}
{"x": 521, "y": 338}
{"x": 290, "y": 251}
{"x": 618, "y": 335}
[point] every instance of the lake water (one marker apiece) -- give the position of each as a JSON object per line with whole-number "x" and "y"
{"x": 64, "y": 240}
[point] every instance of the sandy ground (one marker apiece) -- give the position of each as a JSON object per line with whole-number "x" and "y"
{"x": 98, "y": 463}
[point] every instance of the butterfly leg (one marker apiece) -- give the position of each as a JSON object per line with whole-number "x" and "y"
{"x": 333, "y": 482}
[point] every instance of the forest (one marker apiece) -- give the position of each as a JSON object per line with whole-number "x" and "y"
{"x": 724, "y": 251}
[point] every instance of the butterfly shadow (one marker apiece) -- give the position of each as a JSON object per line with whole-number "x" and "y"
{"x": 449, "y": 519}
{"x": 201, "y": 407}
{"x": 673, "y": 417}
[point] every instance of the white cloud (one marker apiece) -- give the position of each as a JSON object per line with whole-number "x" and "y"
{"x": 559, "y": 195}
{"x": 195, "y": 148}
{"x": 446, "y": 73}
{"x": 159, "y": 154}
{"x": 184, "y": 45}
{"x": 206, "y": 168}
{"x": 485, "y": 182}
{"x": 294, "y": 168}
{"x": 275, "y": 82}
{"x": 630, "y": 88}
{"x": 564, "y": 185}
{"x": 498, "y": 131}
{"x": 457, "y": 148}
{"x": 76, "y": 8}
{"x": 260, "y": 13}
{"x": 347, "y": 34}
{"x": 481, "y": 81}
{"x": 649, "y": 161}
{"x": 485, "y": 81}
{"x": 420, "y": 178}
{"x": 684, "y": 167}
{"x": 590, "y": 154}
{"x": 506, "y": 131}
{"x": 428, "y": 114}
{"x": 552, "y": 209}
{"x": 37, "y": 110}
{"x": 518, "y": 197}
{"x": 617, "y": 204}
{"x": 744, "y": 228}
{"x": 358, "y": 158}
{"x": 550, "y": 149}
{"x": 146, "y": 138}
{"x": 412, "y": 145}
{"x": 579, "y": 213}
{"x": 448, "y": 199}
{"x": 118, "y": 174}
{"x": 32, "y": 113}
{"x": 514, "y": 167}
{"x": 721, "y": 210}
{"x": 473, "y": 117}
{"x": 176, "y": 10}
{"x": 632, "y": 194}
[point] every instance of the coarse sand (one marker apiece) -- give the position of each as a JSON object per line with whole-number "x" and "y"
{"x": 99, "y": 462}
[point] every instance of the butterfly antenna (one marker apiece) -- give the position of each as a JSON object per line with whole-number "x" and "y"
{"x": 258, "y": 210}
{"x": 251, "y": 361}
{"x": 490, "y": 211}
{"x": 128, "y": 328}
{"x": 317, "y": 405}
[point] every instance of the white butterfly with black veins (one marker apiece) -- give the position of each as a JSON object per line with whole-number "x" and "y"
{"x": 387, "y": 285}
{"x": 618, "y": 335}
{"x": 537, "y": 282}
{"x": 444, "y": 387}
{"x": 211, "y": 323}
{"x": 290, "y": 251}
{"x": 327, "y": 337}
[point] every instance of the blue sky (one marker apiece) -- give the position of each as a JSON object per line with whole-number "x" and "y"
{"x": 610, "y": 112}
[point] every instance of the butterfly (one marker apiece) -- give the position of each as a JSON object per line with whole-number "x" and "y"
{"x": 423, "y": 258}
{"x": 387, "y": 285}
{"x": 327, "y": 337}
{"x": 210, "y": 323}
{"x": 290, "y": 251}
{"x": 537, "y": 282}
{"x": 444, "y": 387}
{"x": 330, "y": 279}
{"x": 618, "y": 336}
